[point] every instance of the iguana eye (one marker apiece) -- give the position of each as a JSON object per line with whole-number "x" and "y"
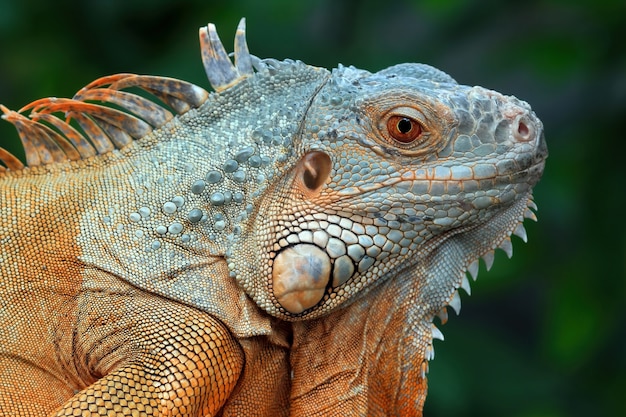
{"x": 404, "y": 129}
{"x": 416, "y": 128}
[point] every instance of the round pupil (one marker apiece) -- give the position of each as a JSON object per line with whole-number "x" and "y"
{"x": 405, "y": 125}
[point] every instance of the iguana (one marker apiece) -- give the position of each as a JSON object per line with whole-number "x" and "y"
{"x": 279, "y": 247}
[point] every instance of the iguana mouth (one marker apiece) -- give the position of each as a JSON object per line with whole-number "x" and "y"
{"x": 529, "y": 175}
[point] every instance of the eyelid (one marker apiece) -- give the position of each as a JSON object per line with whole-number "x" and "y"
{"x": 435, "y": 118}
{"x": 408, "y": 112}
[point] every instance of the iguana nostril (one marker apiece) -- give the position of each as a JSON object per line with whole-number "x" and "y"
{"x": 524, "y": 131}
{"x": 299, "y": 277}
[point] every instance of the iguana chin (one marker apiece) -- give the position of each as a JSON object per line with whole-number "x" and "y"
{"x": 278, "y": 247}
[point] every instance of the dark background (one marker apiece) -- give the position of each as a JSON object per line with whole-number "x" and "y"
{"x": 544, "y": 334}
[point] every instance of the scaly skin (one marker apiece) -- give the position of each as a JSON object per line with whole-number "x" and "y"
{"x": 278, "y": 247}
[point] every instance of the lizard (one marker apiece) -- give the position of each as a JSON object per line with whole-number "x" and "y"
{"x": 278, "y": 247}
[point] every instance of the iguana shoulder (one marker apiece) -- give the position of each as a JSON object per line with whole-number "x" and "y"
{"x": 279, "y": 246}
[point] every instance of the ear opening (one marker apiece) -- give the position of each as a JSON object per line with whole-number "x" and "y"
{"x": 312, "y": 172}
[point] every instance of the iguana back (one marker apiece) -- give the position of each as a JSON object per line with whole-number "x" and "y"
{"x": 277, "y": 247}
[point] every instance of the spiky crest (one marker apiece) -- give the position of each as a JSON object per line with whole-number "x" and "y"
{"x": 220, "y": 71}
{"x": 98, "y": 127}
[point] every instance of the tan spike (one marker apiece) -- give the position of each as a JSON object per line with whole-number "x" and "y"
{"x": 23, "y": 128}
{"x": 128, "y": 123}
{"x": 507, "y": 247}
{"x": 73, "y": 109}
{"x": 24, "y": 131}
{"x": 147, "y": 110}
{"x": 243, "y": 62}
{"x": 520, "y": 232}
{"x": 68, "y": 151}
{"x": 179, "y": 95}
{"x": 465, "y": 284}
{"x": 423, "y": 369}
{"x": 135, "y": 127}
{"x": 10, "y": 161}
{"x": 436, "y": 333}
{"x": 48, "y": 151}
{"x": 488, "y": 258}
{"x": 530, "y": 215}
{"x": 34, "y": 106}
{"x": 84, "y": 148}
{"x": 455, "y": 303}
{"x": 118, "y": 136}
{"x": 429, "y": 353}
{"x": 96, "y": 135}
{"x": 443, "y": 315}
{"x": 219, "y": 69}
{"x": 473, "y": 269}
{"x": 109, "y": 80}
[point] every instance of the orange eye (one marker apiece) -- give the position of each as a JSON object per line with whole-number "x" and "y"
{"x": 404, "y": 129}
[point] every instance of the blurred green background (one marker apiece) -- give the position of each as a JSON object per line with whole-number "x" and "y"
{"x": 544, "y": 334}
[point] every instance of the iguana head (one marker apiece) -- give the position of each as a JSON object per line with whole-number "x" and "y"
{"x": 401, "y": 174}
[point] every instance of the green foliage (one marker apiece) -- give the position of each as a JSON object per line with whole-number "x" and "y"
{"x": 544, "y": 334}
